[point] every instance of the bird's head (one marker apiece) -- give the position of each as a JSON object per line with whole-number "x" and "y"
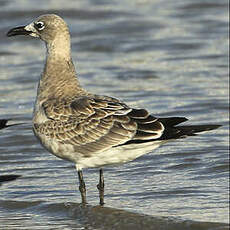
{"x": 46, "y": 27}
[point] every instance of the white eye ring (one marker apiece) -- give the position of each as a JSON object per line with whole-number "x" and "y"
{"x": 39, "y": 25}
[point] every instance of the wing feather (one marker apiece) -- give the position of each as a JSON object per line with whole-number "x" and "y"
{"x": 93, "y": 124}
{"x": 152, "y": 127}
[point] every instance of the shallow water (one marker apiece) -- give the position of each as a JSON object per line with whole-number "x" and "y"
{"x": 170, "y": 57}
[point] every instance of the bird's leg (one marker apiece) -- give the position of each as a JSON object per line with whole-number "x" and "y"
{"x": 100, "y": 187}
{"x": 82, "y": 187}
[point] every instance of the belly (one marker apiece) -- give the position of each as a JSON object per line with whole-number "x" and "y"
{"x": 112, "y": 156}
{"x": 117, "y": 155}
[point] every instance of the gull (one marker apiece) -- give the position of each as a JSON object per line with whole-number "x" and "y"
{"x": 4, "y": 123}
{"x": 87, "y": 129}
{"x": 6, "y": 178}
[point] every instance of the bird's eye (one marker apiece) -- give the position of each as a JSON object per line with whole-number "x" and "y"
{"x": 40, "y": 25}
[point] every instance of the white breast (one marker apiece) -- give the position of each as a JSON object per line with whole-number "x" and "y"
{"x": 117, "y": 155}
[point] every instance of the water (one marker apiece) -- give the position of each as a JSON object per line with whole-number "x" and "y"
{"x": 170, "y": 57}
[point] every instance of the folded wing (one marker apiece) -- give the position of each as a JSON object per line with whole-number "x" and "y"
{"x": 93, "y": 124}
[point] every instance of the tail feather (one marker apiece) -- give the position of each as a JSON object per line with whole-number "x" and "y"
{"x": 184, "y": 131}
{"x": 172, "y": 130}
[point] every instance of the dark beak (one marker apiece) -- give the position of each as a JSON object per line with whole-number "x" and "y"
{"x": 18, "y": 31}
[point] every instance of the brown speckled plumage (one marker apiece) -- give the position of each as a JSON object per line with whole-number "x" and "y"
{"x": 87, "y": 129}
{"x": 95, "y": 123}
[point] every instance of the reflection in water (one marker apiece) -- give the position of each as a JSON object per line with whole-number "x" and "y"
{"x": 77, "y": 216}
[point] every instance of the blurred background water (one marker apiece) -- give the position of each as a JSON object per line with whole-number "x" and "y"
{"x": 170, "y": 57}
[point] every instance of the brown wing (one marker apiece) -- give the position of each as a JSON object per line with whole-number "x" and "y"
{"x": 148, "y": 126}
{"x": 97, "y": 123}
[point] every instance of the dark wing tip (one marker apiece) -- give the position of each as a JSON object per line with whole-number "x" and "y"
{"x": 172, "y": 121}
{"x": 198, "y": 128}
{"x": 211, "y": 127}
{"x": 184, "y": 131}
